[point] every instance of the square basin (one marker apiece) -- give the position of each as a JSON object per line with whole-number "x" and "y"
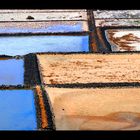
{"x": 17, "y": 110}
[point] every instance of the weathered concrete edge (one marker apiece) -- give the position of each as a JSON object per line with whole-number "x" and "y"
{"x": 96, "y": 85}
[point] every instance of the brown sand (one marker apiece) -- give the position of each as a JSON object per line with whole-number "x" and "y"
{"x": 95, "y": 109}
{"x": 89, "y": 68}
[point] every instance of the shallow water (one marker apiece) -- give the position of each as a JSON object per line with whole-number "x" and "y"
{"x": 17, "y": 110}
{"x": 31, "y": 44}
{"x": 11, "y": 72}
{"x": 77, "y": 27}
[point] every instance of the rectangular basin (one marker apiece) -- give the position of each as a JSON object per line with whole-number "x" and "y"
{"x": 22, "y": 45}
{"x": 43, "y": 27}
{"x": 89, "y": 68}
{"x": 11, "y": 72}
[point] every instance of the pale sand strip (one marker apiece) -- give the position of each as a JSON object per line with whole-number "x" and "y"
{"x": 43, "y": 16}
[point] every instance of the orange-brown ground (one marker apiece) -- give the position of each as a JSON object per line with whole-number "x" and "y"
{"x": 43, "y": 114}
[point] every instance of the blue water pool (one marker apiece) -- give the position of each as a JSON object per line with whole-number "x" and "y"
{"x": 21, "y": 45}
{"x": 17, "y": 110}
{"x": 12, "y": 72}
